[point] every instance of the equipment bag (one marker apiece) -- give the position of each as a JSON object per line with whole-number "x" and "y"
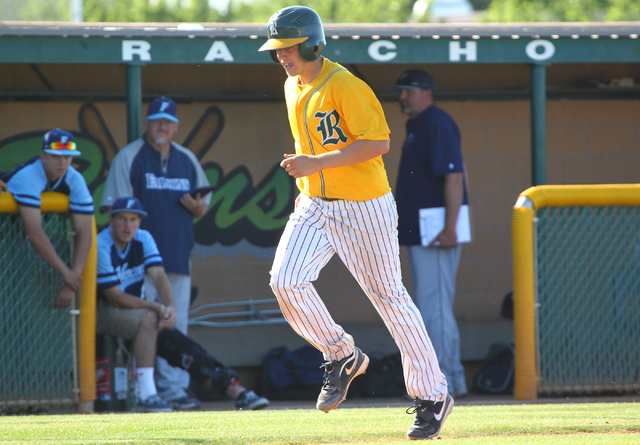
{"x": 183, "y": 352}
{"x": 288, "y": 375}
{"x": 497, "y": 373}
{"x": 384, "y": 377}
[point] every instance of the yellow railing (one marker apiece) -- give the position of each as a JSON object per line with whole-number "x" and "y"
{"x": 58, "y": 202}
{"x": 529, "y": 201}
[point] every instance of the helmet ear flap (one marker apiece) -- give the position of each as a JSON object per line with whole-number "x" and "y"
{"x": 274, "y": 56}
{"x": 311, "y": 53}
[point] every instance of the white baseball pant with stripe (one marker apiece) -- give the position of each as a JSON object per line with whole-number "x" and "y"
{"x": 364, "y": 235}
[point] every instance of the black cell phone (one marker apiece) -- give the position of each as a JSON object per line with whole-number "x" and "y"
{"x": 202, "y": 191}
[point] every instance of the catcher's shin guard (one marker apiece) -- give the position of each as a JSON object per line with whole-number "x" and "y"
{"x": 183, "y": 352}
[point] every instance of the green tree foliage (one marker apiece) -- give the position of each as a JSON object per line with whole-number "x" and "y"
{"x": 249, "y": 11}
{"x": 562, "y": 10}
{"x": 53, "y": 10}
{"x": 331, "y": 11}
{"x": 150, "y": 11}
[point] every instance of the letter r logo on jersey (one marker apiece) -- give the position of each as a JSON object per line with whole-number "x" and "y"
{"x": 329, "y": 127}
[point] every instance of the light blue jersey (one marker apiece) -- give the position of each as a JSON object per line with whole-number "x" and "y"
{"x": 27, "y": 181}
{"x": 126, "y": 269}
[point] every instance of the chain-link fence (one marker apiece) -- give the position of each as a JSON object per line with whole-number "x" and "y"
{"x": 37, "y": 358}
{"x": 588, "y": 298}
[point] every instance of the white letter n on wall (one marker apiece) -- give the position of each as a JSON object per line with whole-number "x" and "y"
{"x": 140, "y": 48}
{"x": 469, "y": 51}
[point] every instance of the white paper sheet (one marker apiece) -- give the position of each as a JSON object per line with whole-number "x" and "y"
{"x": 432, "y": 223}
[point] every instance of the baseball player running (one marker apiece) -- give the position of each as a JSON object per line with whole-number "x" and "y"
{"x": 345, "y": 207}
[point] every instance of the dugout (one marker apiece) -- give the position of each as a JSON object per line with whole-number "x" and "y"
{"x": 554, "y": 103}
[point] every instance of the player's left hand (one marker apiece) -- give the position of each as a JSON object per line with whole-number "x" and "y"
{"x": 300, "y": 165}
{"x": 66, "y": 294}
{"x": 446, "y": 238}
{"x": 196, "y": 206}
{"x": 169, "y": 317}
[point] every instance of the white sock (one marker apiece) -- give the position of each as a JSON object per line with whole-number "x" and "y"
{"x": 146, "y": 383}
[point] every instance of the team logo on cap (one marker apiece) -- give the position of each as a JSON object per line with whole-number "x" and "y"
{"x": 164, "y": 106}
{"x": 64, "y": 139}
{"x": 273, "y": 31}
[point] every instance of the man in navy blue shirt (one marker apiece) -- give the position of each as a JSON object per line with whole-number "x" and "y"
{"x": 52, "y": 171}
{"x": 431, "y": 175}
{"x": 161, "y": 174}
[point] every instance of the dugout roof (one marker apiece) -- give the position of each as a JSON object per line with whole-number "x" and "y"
{"x": 47, "y": 42}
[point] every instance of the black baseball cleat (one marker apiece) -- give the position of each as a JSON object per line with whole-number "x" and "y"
{"x": 430, "y": 417}
{"x": 337, "y": 378}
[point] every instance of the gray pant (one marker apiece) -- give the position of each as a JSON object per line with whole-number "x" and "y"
{"x": 433, "y": 274}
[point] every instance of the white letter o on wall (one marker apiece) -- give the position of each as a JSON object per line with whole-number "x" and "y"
{"x": 375, "y": 54}
{"x": 532, "y": 50}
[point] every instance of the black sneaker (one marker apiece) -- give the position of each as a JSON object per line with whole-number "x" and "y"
{"x": 337, "y": 378}
{"x": 430, "y": 417}
{"x": 249, "y": 400}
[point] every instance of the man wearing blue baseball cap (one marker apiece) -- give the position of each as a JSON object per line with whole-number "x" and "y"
{"x": 126, "y": 254}
{"x": 162, "y": 175}
{"x": 52, "y": 171}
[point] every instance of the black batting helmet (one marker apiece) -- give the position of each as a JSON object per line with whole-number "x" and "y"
{"x": 295, "y": 25}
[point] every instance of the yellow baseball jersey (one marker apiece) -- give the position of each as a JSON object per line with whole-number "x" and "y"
{"x": 328, "y": 114}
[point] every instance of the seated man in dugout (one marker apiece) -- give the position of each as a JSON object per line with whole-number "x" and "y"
{"x": 125, "y": 253}
{"x": 52, "y": 171}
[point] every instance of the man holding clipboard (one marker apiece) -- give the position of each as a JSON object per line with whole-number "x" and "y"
{"x": 433, "y": 216}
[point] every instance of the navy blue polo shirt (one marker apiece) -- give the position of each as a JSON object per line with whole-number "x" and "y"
{"x": 138, "y": 170}
{"x": 431, "y": 150}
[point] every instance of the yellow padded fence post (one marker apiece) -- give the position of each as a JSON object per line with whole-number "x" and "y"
{"x": 8, "y": 204}
{"x": 526, "y": 378}
{"x": 87, "y": 331}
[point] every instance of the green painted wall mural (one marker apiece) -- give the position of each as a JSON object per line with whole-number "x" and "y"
{"x": 243, "y": 216}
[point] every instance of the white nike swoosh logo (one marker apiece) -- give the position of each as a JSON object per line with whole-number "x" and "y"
{"x": 439, "y": 416}
{"x": 353, "y": 364}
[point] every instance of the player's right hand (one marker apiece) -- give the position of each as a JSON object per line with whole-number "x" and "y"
{"x": 65, "y": 296}
{"x": 169, "y": 317}
{"x": 300, "y": 165}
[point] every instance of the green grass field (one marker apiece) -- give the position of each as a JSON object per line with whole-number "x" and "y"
{"x": 583, "y": 423}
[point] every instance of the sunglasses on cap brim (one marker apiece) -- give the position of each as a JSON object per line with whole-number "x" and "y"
{"x": 62, "y": 146}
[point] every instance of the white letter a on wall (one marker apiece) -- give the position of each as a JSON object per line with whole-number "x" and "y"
{"x": 218, "y": 51}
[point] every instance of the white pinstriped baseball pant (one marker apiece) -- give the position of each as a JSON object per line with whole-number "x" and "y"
{"x": 364, "y": 235}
